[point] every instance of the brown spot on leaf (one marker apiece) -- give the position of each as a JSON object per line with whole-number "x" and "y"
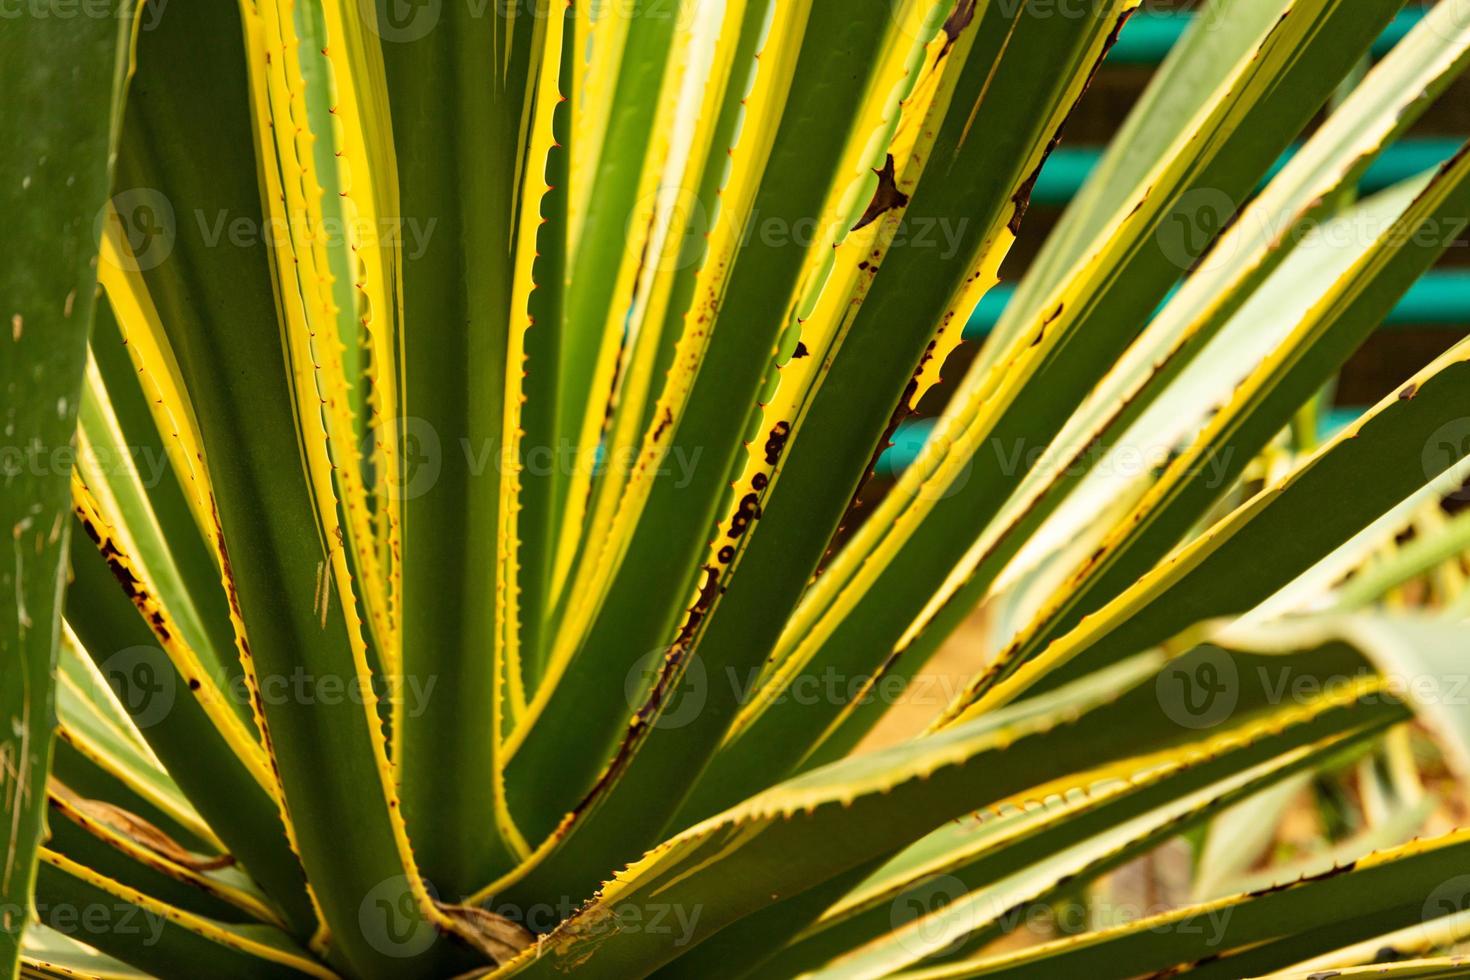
{"x": 1022, "y": 198}
{"x": 1055, "y": 315}
{"x": 776, "y": 441}
{"x": 137, "y": 830}
{"x": 495, "y": 936}
{"x": 123, "y": 574}
{"x": 748, "y": 511}
{"x": 958, "y": 19}
{"x": 886, "y": 197}
{"x": 663, "y": 423}
{"x": 708, "y": 593}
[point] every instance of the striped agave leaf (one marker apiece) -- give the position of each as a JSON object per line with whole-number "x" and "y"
{"x": 466, "y": 413}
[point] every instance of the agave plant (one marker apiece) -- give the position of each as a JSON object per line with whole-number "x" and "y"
{"x": 437, "y": 439}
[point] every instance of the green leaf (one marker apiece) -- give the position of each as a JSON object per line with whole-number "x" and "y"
{"x": 1434, "y": 968}
{"x": 907, "y": 549}
{"x": 156, "y": 937}
{"x": 125, "y": 458}
{"x": 647, "y": 597}
{"x": 964, "y": 909}
{"x": 243, "y": 359}
{"x": 1418, "y": 557}
{"x": 66, "y": 78}
{"x": 460, "y": 166}
{"x": 1209, "y": 333}
{"x": 1250, "y": 934}
{"x": 752, "y": 945}
{"x": 1401, "y": 826}
{"x": 823, "y": 823}
{"x": 239, "y": 803}
{"x": 1408, "y": 648}
{"x": 1238, "y": 838}
{"x": 611, "y": 235}
{"x": 1358, "y": 296}
{"x": 1404, "y": 440}
{"x": 128, "y": 850}
{"x": 101, "y": 761}
{"x": 49, "y": 954}
{"x": 1313, "y": 588}
{"x": 537, "y": 519}
{"x": 1188, "y": 80}
{"x": 896, "y": 342}
{"x": 967, "y": 885}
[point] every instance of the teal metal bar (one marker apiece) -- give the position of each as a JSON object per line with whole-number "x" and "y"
{"x": 1440, "y": 299}
{"x": 1148, "y": 37}
{"x": 911, "y": 436}
{"x": 1150, "y": 34}
{"x": 1069, "y": 167}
